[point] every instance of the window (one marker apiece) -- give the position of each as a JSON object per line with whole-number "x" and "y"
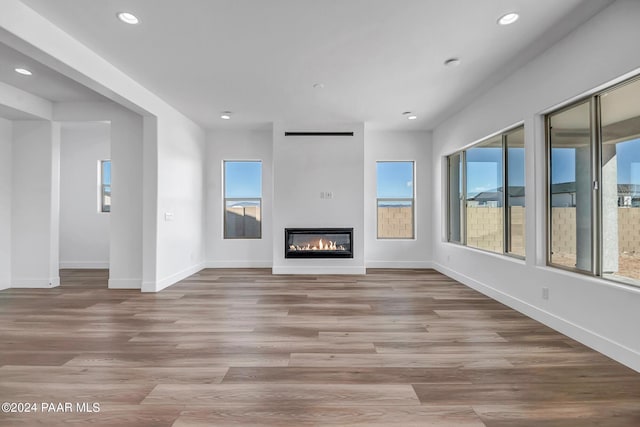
{"x": 456, "y": 200}
{"x": 481, "y": 214}
{"x": 570, "y": 170}
{"x": 484, "y": 213}
{"x": 242, "y": 199}
{"x": 515, "y": 217}
{"x": 620, "y": 176}
{"x": 594, "y": 185}
{"x": 395, "y": 200}
{"x": 105, "y": 186}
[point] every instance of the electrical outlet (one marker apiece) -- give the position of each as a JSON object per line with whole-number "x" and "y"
{"x": 545, "y": 293}
{"x": 326, "y": 194}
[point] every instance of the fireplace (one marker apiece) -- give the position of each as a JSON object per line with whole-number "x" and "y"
{"x": 318, "y": 242}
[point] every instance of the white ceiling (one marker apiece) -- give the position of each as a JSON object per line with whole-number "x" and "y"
{"x": 44, "y": 82}
{"x": 13, "y": 114}
{"x": 260, "y": 59}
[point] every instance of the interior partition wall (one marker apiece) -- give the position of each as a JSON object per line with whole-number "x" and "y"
{"x": 593, "y": 185}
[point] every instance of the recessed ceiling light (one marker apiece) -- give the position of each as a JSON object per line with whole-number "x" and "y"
{"x": 452, "y": 62}
{"x": 23, "y": 71}
{"x": 508, "y": 18}
{"x": 318, "y": 86}
{"x": 412, "y": 117}
{"x": 128, "y": 18}
{"x": 225, "y": 115}
{"x": 409, "y": 115}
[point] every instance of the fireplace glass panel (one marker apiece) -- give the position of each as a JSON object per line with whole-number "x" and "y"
{"x": 318, "y": 243}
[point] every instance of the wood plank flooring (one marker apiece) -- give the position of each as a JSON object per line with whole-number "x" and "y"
{"x": 244, "y": 347}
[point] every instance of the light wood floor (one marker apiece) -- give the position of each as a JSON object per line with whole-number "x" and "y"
{"x": 244, "y": 347}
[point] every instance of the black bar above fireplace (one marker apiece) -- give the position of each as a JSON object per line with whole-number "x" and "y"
{"x": 318, "y": 242}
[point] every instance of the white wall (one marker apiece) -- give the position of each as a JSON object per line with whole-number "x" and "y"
{"x": 125, "y": 248}
{"x": 35, "y": 207}
{"x": 5, "y": 203}
{"x": 304, "y": 166}
{"x": 181, "y": 241}
{"x": 399, "y": 146}
{"x": 84, "y": 230}
{"x": 238, "y": 145}
{"x": 601, "y": 314}
{"x": 126, "y": 217}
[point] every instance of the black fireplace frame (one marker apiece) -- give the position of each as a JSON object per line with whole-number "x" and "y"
{"x": 318, "y": 254}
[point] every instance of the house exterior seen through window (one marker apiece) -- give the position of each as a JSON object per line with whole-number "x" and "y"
{"x": 593, "y": 187}
{"x": 486, "y": 194}
{"x": 242, "y": 199}
{"x": 395, "y": 200}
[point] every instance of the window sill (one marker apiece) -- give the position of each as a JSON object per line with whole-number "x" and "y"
{"x": 629, "y": 287}
{"x": 513, "y": 258}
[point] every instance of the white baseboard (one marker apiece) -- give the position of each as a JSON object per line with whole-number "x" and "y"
{"x": 85, "y": 264}
{"x": 399, "y": 264}
{"x": 125, "y": 283}
{"x": 51, "y": 282}
{"x": 319, "y": 270}
{"x": 171, "y": 280}
{"x": 239, "y": 264}
{"x": 4, "y": 286}
{"x": 604, "y": 345}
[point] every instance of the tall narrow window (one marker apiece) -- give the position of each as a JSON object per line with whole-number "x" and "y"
{"x": 484, "y": 196}
{"x": 105, "y": 186}
{"x": 395, "y": 200}
{"x": 514, "y": 144}
{"x": 456, "y": 199}
{"x": 570, "y": 217}
{"x": 481, "y": 213}
{"x": 620, "y": 175}
{"x": 242, "y": 199}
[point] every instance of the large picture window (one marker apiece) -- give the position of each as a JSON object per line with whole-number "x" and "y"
{"x": 594, "y": 185}
{"x": 395, "y": 200}
{"x": 481, "y": 213}
{"x": 242, "y": 199}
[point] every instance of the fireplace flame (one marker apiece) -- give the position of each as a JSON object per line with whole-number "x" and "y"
{"x": 319, "y": 246}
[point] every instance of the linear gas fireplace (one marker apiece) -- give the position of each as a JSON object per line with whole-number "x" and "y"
{"x": 318, "y": 242}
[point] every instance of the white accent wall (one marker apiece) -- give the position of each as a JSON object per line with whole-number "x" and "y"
{"x": 238, "y": 145}
{"x": 399, "y": 146}
{"x": 598, "y": 313}
{"x": 5, "y": 203}
{"x": 305, "y": 166}
{"x": 84, "y": 229}
{"x": 35, "y": 204}
{"x": 296, "y": 170}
